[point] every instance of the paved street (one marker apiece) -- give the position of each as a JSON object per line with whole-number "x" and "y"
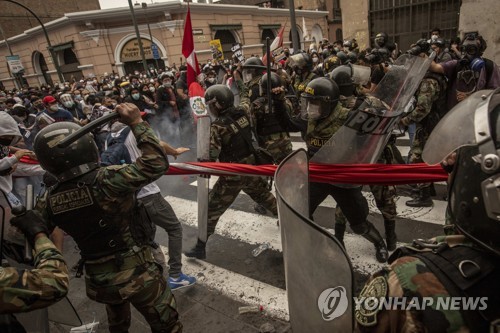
{"x": 231, "y": 277}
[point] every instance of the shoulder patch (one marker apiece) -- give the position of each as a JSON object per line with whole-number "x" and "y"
{"x": 377, "y": 288}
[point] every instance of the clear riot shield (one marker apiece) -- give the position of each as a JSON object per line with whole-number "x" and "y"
{"x": 319, "y": 279}
{"x": 363, "y": 136}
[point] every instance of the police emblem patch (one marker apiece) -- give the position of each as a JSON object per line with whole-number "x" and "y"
{"x": 69, "y": 200}
{"x": 369, "y": 300}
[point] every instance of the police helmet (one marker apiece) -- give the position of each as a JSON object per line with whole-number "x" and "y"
{"x": 301, "y": 61}
{"x": 275, "y": 83}
{"x": 219, "y": 98}
{"x": 331, "y": 62}
{"x": 381, "y": 39}
{"x": 319, "y": 98}
{"x": 342, "y": 76}
{"x": 342, "y": 57}
{"x": 439, "y": 42}
{"x": 66, "y": 163}
{"x": 252, "y": 68}
{"x": 353, "y": 57}
{"x": 474, "y": 184}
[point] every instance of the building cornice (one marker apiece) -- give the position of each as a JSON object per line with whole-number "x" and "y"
{"x": 165, "y": 8}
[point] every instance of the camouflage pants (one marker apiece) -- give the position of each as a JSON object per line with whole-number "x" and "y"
{"x": 385, "y": 199}
{"x": 142, "y": 285}
{"x": 415, "y": 155}
{"x": 226, "y": 190}
{"x": 278, "y": 144}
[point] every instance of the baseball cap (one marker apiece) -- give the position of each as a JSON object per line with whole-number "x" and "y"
{"x": 49, "y": 99}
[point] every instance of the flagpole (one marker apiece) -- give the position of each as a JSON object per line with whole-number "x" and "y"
{"x": 293, "y": 28}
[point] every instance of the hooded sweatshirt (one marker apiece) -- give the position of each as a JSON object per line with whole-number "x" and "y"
{"x": 8, "y": 126}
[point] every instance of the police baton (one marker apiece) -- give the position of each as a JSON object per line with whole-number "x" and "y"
{"x": 87, "y": 128}
{"x": 28, "y": 256}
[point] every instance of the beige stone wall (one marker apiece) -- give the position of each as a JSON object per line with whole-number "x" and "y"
{"x": 355, "y": 21}
{"x": 482, "y": 16}
{"x": 100, "y": 55}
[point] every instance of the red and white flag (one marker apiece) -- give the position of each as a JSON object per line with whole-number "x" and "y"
{"x": 277, "y": 43}
{"x": 193, "y": 68}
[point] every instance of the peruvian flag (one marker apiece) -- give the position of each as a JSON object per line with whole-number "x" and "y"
{"x": 193, "y": 68}
{"x": 277, "y": 43}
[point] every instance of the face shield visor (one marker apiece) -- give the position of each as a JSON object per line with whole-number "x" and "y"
{"x": 467, "y": 124}
{"x": 247, "y": 74}
{"x": 313, "y": 108}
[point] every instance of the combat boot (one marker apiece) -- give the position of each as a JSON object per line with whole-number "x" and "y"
{"x": 374, "y": 236}
{"x": 423, "y": 200}
{"x": 198, "y": 251}
{"x": 390, "y": 234}
{"x": 339, "y": 233}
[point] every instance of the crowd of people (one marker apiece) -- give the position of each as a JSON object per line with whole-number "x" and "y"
{"x": 108, "y": 177}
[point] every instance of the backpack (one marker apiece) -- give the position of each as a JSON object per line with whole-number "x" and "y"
{"x": 116, "y": 153}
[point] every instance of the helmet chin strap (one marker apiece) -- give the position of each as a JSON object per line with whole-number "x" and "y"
{"x": 77, "y": 171}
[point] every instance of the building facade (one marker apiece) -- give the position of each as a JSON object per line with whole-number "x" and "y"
{"x": 15, "y": 19}
{"x": 406, "y": 21}
{"x": 104, "y": 41}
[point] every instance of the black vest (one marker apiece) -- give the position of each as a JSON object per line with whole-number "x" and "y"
{"x": 73, "y": 207}
{"x": 235, "y": 146}
{"x": 267, "y": 123}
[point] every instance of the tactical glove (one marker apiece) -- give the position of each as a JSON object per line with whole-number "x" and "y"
{"x": 30, "y": 224}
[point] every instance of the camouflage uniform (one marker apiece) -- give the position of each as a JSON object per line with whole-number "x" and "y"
{"x": 25, "y": 290}
{"x": 270, "y": 134}
{"x": 226, "y": 144}
{"x": 409, "y": 276}
{"x": 427, "y": 94}
{"x": 129, "y": 274}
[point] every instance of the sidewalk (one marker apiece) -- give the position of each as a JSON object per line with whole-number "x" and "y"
{"x": 201, "y": 309}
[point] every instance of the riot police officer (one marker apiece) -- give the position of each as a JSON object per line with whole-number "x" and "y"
{"x": 230, "y": 141}
{"x": 270, "y": 134}
{"x": 97, "y": 207}
{"x": 302, "y": 66}
{"x": 24, "y": 290}
{"x": 253, "y": 69}
{"x": 429, "y": 109}
{"x": 385, "y": 196}
{"x": 325, "y": 115}
{"x": 465, "y": 266}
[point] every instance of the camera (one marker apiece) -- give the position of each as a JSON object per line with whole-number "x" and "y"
{"x": 422, "y": 46}
{"x": 377, "y": 56}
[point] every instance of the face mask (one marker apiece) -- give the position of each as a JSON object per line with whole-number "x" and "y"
{"x": 54, "y": 107}
{"x": 211, "y": 79}
{"x": 136, "y": 84}
{"x": 313, "y": 111}
{"x": 167, "y": 84}
{"x": 434, "y": 37}
{"x": 136, "y": 96}
{"x": 315, "y": 59}
{"x": 78, "y": 98}
{"x": 152, "y": 89}
{"x": 68, "y": 104}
